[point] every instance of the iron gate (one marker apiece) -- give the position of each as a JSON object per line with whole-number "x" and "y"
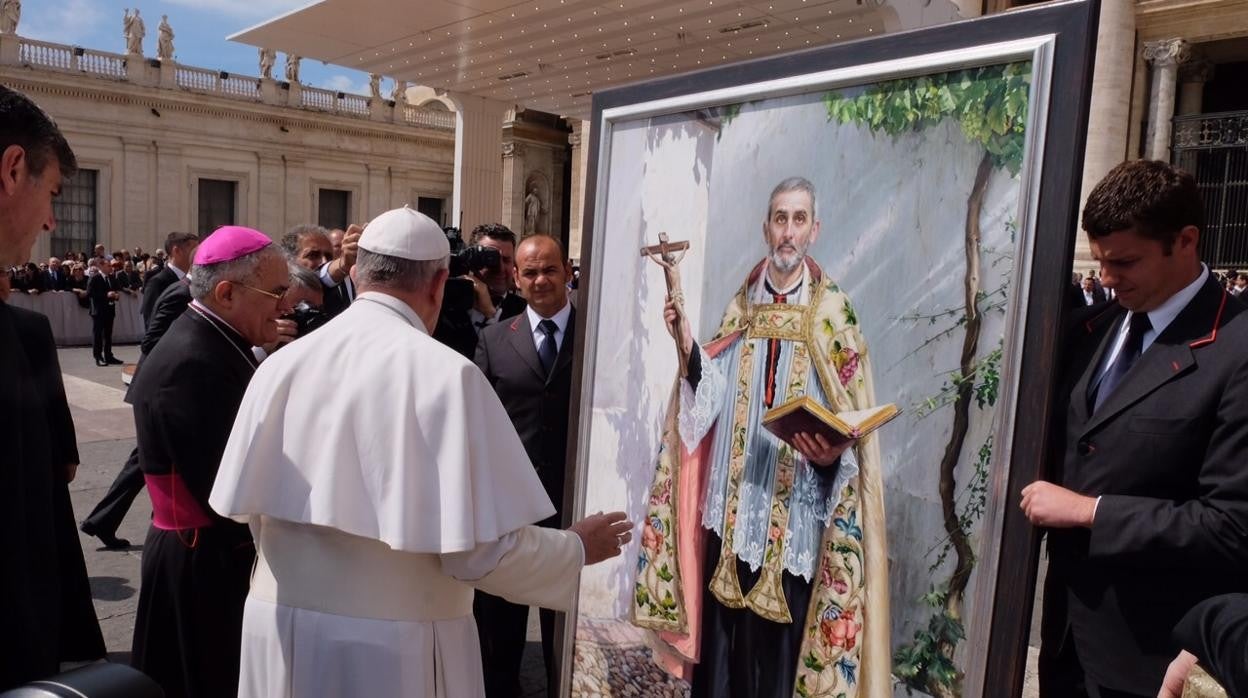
{"x": 1214, "y": 148}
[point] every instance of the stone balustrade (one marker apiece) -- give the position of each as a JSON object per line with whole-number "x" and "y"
{"x": 43, "y": 55}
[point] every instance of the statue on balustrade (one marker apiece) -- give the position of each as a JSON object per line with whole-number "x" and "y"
{"x": 135, "y": 30}
{"x": 164, "y": 42}
{"x": 268, "y": 59}
{"x": 292, "y": 68}
{"x": 10, "y": 15}
{"x": 399, "y": 94}
{"x": 374, "y": 86}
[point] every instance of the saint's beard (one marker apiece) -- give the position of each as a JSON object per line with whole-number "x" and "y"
{"x": 787, "y": 262}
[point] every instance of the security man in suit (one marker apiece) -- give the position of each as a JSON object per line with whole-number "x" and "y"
{"x": 106, "y": 517}
{"x": 102, "y": 294}
{"x": 528, "y": 360}
{"x": 1147, "y": 507}
{"x": 180, "y": 250}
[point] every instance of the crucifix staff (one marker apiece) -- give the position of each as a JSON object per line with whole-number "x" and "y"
{"x": 665, "y": 255}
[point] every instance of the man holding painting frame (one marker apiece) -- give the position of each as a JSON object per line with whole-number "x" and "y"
{"x": 1148, "y": 511}
{"x": 792, "y": 535}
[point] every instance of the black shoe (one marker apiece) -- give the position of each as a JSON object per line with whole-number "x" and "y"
{"x": 113, "y": 361}
{"x": 100, "y": 362}
{"x": 110, "y": 541}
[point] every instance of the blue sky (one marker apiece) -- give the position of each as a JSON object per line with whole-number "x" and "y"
{"x": 199, "y": 28}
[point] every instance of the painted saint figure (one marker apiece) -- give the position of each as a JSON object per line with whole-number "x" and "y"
{"x": 134, "y": 31}
{"x": 787, "y": 538}
{"x": 10, "y": 15}
{"x": 164, "y": 41}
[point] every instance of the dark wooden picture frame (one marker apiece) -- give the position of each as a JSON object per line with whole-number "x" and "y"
{"x": 1068, "y": 32}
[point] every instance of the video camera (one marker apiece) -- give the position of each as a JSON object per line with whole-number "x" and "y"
{"x": 454, "y": 327}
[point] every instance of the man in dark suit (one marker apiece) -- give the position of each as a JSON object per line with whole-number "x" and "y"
{"x": 180, "y": 250}
{"x": 34, "y": 161}
{"x": 102, "y": 295}
{"x": 1091, "y": 294}
{"x": 56, "y": 278}
{"x": 529, "y": 362}
{"x": 1147, "y": 511}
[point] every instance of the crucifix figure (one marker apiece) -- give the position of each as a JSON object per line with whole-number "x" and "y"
{"x": 664, "y": 254}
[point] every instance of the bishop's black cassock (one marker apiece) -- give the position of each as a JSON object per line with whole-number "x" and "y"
{"x": 46, "y": 614}
{"x": 196, "y": 565}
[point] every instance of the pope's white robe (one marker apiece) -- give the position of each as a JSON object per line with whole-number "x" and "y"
{"x": 383, "y": 481}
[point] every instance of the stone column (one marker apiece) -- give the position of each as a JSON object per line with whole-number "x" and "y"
{"x": 558, "y": 163}
{"x": 580, "y": 132}
{"x": 270, "y": 182}
{"x": 138, "y": 203}
{"x": 170, "y": 192}
{"x": 1164, "y": 56}
{"x": 168, "y": 74}
{"x": 513, "y": 186}
{"x": 269, "y": 92}
{"x": 1192, "y": 79}
{"x": 377, "y": 199}
{"x": 478, "y": 161}
{"x": 298, "y": 195}
{"x": 1110, "y": 115}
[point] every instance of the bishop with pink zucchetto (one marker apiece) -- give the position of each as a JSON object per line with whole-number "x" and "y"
{"x": 196, "y": 564}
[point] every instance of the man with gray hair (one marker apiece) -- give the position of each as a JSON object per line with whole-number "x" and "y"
{"x": 410, "y": 475}
{"x": 196, "y": 564}
{"x": 771, "y": 551}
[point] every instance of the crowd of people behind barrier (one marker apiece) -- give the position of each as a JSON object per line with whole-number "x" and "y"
{"x": 72, "y": 272}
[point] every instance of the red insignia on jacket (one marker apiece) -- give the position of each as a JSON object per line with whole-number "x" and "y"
{"x": 1217, "y": 322}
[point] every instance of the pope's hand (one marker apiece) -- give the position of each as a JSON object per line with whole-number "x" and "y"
{"x": 670, "y": 318}
{"x": 816, "y": 449}
{"x": 1176, "y": 675}
{"x": 1046, "y": 504}
{"x": 603, "y": 535}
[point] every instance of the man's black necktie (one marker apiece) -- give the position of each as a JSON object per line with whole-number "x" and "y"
{"x": 547, "y": 350}
{"x": 1131, "y": 349}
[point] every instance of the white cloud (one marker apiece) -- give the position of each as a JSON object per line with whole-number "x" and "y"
{"x": 344, "y": 83}
{"x": 66, "y": 22}
{"x": 244, "y": 9}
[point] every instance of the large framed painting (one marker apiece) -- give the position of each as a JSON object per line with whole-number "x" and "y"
{"x": 882, "y": 222}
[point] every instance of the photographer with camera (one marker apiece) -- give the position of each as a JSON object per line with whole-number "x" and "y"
{"x": 480, "y": 291}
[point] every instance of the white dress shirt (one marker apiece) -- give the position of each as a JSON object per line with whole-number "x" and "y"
{"x": 1160, "y": 318}
{"x": 560, "y": 319}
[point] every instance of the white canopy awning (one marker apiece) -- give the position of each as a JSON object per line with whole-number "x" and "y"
{"x": 553, "y": 54}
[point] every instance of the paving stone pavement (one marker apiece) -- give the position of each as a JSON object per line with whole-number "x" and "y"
{"x": 105, "y": 430}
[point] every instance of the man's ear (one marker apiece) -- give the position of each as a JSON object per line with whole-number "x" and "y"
{"x": 13, "y": 168}
{"x": 223, "y": 293}
{"x": 1188, "y": 238}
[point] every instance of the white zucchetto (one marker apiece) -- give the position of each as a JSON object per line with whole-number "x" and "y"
{"x": 407, "y": 234}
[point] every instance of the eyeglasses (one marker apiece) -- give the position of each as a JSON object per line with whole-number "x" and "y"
{"x": 270, "y": 294}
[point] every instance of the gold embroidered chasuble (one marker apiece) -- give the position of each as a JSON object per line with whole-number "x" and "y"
{"x": 845, "y": 650}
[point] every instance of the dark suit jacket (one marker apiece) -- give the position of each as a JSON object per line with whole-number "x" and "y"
{"x": 537, "y": 404}
{"x": 98, "y": 288}
{"x": 169, "y": 307}
{"x": 1216, "y": 631}
{"x": 79, "y": 631}
{"x": 1165, "y": 453}
{"x": 60, "y": 283}
{"x": 156, "y": 285}
{"x": 30, "y": 605}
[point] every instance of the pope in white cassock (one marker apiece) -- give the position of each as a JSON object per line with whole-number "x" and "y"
{"x": 381, "y": 495}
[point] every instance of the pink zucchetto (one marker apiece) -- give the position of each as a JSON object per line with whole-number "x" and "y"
{"x": 229, "y": 242}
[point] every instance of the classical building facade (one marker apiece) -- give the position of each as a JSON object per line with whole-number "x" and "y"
{"x": 165, "y": 147}
{"x": 1170, "y": 84}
